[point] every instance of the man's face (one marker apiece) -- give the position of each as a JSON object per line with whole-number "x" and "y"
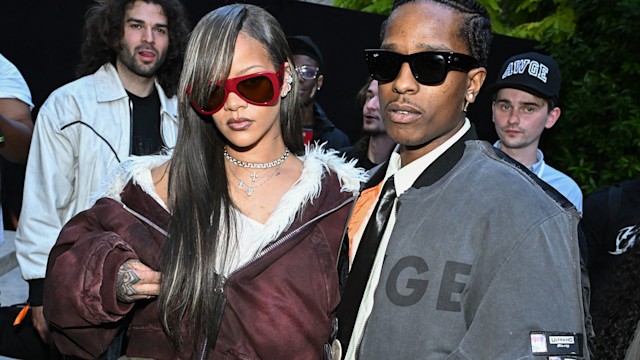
{"x": 372, "y": 121}
{"x": 308, "y": 87}
{"x": 421, "y": 117}
{"x": 144, "y": 44}
{"x": 520, "y": 118}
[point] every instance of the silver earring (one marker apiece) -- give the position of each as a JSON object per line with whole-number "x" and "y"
{"x": 289, "y": 80}
{"x": 471, "y": 96}
{"x": 318, "y": 88}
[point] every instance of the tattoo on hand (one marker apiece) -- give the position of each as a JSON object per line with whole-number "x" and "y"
{"x": 127, "y": 278}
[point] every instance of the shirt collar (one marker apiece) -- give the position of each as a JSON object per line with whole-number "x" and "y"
{"x": 537, "y": 167}
{"x": 407, "y": 175}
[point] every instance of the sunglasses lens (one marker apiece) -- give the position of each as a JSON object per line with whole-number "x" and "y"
{"x": 384, "y": 66}
{"x": 216, "y": 98}
{"x": 428, "y": 68}
{"x": 307, "y": 73}
{"x": 257, "y": 89}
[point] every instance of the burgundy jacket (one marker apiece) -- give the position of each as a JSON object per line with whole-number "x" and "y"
{"x": 280, "y": 306}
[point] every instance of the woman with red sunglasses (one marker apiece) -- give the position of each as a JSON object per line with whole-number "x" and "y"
{"x": 231, "y": 246}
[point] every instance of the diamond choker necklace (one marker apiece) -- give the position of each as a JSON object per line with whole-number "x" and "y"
{"x": 268, "y": 165}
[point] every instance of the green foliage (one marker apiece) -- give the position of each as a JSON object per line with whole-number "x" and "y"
{"x": 599, "y": 130}
{"x": 373, "y": 6}
{"x": 527, "y": 19}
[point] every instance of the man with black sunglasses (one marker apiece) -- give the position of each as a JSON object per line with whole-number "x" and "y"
{"x": 316, "y": 124}
{"x": 465, "y": 255}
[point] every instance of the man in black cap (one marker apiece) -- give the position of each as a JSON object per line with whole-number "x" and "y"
{"x": 317, "y": 126}
{"x": 525, "y": 103}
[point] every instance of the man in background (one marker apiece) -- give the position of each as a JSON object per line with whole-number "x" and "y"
{"x": 525, "y": 103}
{"x": 611, "y": 224}
{"x": 309, "y": 64}
{"x": 16, "y": 125}
{"x": 375, "y": 146}
{"x": 123, "y": 104}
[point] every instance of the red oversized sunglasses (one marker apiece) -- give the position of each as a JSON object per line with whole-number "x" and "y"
{"x": 261, "y": 89}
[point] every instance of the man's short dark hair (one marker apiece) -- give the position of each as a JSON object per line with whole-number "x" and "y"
{"x": 476, "y": 29}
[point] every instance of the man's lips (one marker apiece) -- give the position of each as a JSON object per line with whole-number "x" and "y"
{"x": 402, "y": 113}
{"x": 147, "y": 54}
{"x": 370, "y": 118}
{"x": 511, "y": 132}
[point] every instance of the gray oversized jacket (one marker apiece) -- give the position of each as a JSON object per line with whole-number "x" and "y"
{"x": 482, "y": 263}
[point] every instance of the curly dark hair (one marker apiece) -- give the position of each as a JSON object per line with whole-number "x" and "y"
{"x": 104, "y": 28}
{"x": 476, "y": 30}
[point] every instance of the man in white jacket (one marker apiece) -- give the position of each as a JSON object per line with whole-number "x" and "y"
{"x": 123, "y": 104}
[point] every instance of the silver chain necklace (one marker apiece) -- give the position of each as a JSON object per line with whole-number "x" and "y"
{"x": 250, "y": 187}
{"x": 268, "y": 165}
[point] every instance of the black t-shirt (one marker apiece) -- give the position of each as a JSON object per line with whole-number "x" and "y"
{"x": 610, "y": 222}
{"x": 146, "y": 138}
{"x": 359, "y": 152}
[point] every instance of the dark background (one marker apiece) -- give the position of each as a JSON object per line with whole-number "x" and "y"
{"x": 42, "y": 38}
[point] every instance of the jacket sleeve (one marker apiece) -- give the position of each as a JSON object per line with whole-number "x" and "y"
{"x": 538, "y": 290}
{"x": 48, "y": 189}
{"x": 80, "y": 287}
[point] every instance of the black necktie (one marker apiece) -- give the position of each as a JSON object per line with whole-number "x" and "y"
{"x": 363, "y": 263}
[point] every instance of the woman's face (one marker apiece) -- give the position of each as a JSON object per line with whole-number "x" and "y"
{"x": 243, "y": 124}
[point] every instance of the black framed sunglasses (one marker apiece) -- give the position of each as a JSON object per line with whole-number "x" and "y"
{"x": 429, "y": 67}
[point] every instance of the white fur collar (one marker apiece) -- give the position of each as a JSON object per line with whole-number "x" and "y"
{"x": 317, "y": 160}
{"x": 136, "y": 169}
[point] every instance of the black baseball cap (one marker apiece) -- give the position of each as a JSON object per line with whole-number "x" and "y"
{"x": 531, "y": 72}
{"x": 303, "y": 45}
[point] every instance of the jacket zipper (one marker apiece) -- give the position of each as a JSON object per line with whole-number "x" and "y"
{"x": 222, "y": 280}
{"x": 219, "y": 289}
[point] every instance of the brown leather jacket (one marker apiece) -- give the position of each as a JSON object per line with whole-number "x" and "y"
{"x": 280, "y": 306}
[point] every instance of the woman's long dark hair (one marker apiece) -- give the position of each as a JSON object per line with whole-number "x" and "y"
{"x": 104, "y": 28}
{"x": 198, "y": 194}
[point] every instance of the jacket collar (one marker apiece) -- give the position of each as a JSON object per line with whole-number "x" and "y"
{"x": 109, "y": 88}
{"x": 440, "y": 167}
{"x": 108, "y": 84}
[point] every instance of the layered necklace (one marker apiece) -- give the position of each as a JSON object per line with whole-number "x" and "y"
{"x": 249, "y": 186}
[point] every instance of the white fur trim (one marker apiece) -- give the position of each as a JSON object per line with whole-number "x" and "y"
{"x": 136, "y": 168}
{"x": 317, "y": 161}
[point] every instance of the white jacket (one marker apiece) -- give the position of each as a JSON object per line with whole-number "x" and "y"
{"x": 82, "y": 130}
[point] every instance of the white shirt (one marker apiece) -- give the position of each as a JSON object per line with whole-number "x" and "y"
{"x": 558, "y": 180}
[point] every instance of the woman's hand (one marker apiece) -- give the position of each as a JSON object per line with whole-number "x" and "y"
{"x": 137, "y": 281}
